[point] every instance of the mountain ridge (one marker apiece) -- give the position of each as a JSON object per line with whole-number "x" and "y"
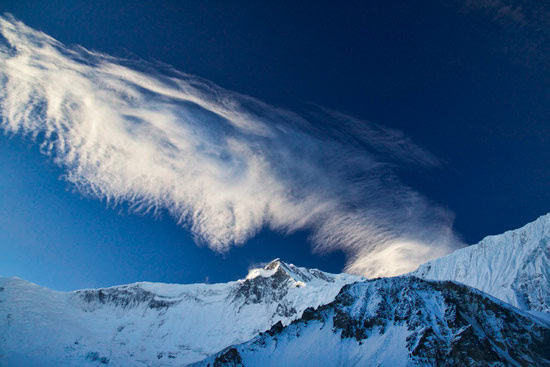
{"x": 399, "y": 321}
{"x": 405, "y": 320}
{"x": 513, "y": 266}
{"x": 153, "y": 323}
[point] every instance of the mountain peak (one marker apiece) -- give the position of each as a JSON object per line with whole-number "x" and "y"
{"x": 273, "y": 267}
{"x": 291, "y": 270}
{"x": 266, "y": 271}
{"x": 273, "y": 264}
{"x": 300, "y": 276}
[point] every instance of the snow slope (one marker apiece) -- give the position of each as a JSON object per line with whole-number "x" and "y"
{"x": 153, "y": 324}
{"x": 402, "y": 321}
{"x": 513, "y": 266}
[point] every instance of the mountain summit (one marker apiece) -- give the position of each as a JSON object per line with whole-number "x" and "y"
{"x": 300, "y": 276}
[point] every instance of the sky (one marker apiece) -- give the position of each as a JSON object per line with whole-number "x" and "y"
{"x": 187, "y": 142}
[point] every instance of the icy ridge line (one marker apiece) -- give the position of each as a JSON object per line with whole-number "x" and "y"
{"x": 513, "y": 267}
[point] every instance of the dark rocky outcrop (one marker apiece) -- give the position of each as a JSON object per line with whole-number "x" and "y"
{"x": 124, "y": 297}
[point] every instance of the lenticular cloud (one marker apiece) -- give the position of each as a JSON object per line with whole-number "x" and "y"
{"x": 222, "y": 164}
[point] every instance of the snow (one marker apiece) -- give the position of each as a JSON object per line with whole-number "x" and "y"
{"x": 513, "y": 267}
{"x": 254, "y": 273}
{"x": 153, "y": 323}
{"x": 401, "y": 321}
{"x": 318, "y": 345}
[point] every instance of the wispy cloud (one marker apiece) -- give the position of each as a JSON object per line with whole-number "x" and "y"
{"x": 524, "y": 28}
{"x": 222, "y": 164}
{"x": 499, "y": 9}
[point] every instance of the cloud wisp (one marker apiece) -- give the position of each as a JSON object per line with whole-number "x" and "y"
{"x": 222, "y": 164}
{"x": 524, "y": 32}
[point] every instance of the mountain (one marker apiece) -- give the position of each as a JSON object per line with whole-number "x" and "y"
{"x": 153, "y": 324}
{"x": 284, "y": 315}
{"x": 402, "y": 321}
{"x": 513, "y": 266}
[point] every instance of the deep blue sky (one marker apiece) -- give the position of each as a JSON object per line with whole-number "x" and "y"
{"x": 469, "y": 85}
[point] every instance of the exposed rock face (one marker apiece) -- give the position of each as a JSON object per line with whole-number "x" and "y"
{"x": 125, "y": 297}
{"x": 151, "y": 323}
{"x": 273, "y": 283}
{"x": 400, "y": 321}
{"x": 513, "y": 266}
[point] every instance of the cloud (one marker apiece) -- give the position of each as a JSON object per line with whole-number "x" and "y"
{"x": 222, "y": 164}
{"x": 524, "y": 28}
{"x": 499, "y": 9}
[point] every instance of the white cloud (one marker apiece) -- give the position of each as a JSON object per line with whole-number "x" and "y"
{"x": 221, "y": 163}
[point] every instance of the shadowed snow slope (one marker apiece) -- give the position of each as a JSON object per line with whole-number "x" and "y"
{"x": 403, "y": 321}
{"x": 153, "y": 324}
{"x": 513, "y": 266}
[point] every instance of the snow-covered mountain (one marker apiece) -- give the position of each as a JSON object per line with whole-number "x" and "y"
{"x": 283, "y": 315}
{"x": 513, "y": 266}
{"x": 402, "y": 321}
{"x": 153, "y": 324}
